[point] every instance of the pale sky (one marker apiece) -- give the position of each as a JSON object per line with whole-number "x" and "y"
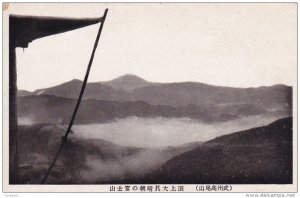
{"x": 238, "y": 45}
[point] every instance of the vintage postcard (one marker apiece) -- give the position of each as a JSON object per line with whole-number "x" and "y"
{"x": 150, "y": 97}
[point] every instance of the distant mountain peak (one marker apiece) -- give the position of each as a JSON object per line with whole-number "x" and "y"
{"x": 128, "y": 74}
{"x": 131, "y": 77}
{"x": 75, "y": 80}
{"x": 127, "y": 82}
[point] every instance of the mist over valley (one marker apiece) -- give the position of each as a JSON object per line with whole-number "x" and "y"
{"x": 128, "y": 129}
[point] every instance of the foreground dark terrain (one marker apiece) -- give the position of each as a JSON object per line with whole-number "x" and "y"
{"x": 260, "y": 155}
{"x": 85, "y": 160}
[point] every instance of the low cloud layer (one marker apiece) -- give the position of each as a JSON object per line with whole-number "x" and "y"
{"x": 126, "y": 149}
{"x": 157, "y": 132}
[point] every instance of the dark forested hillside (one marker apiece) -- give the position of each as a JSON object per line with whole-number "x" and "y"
{"x": 260, "y": 155}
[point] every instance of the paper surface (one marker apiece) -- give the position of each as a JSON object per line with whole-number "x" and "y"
{"x": 187, "y": 75}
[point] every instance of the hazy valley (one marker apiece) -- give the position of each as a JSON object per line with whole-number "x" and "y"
{"x": 132, "y": 130}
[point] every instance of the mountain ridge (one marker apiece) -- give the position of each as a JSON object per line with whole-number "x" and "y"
{"x": 133, "y": 88}
{"x": 132, "y": 76}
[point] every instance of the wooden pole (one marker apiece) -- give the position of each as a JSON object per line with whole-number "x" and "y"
{"x": 13, "y": 121}
{"x": 65, "y": 137}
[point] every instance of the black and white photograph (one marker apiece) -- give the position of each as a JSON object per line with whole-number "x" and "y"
{"x": 147, "y": 97}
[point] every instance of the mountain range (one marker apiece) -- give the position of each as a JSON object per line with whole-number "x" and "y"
{"x": 133, "y": 88}
{"x": 130, "y": 95}
{"x": 261, "y": 155}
